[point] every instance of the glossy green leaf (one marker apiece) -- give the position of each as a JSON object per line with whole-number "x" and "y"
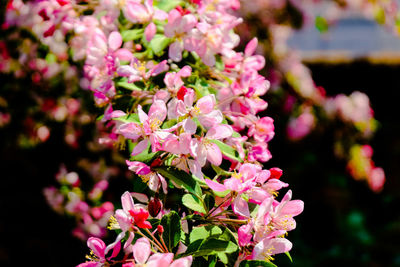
{"x": 159, "y": 43}
{"x": 227, "y": 150}
{"x": 203, "y": 232}
{"x": 212, "y": 246}
{"x": 134, "y": 117}
{"x": 172, "y": 229}
{"x": 181, "y": 179}
{"x": 129, "y": 86}
{"x": 193, "y": 203}
{"x": 168, "y": 5}
{"x": 130, "y": 35}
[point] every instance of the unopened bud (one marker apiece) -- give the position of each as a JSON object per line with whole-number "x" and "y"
{"x": 160, "y": 229}
{"x": 154, "y": 206}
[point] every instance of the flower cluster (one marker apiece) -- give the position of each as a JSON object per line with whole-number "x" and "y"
{"x": 90, "y": 211}
{"x": 187, "y": 111}
{"x": 186, "y": 105}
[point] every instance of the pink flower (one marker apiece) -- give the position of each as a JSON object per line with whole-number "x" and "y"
{"x": 178, "y": 26}
{"x": 270, "y": 246}
{"x": 100, "y": 251}
{"x": 142, "y": 251}
{"x": 153, "y": 179}
{"x": 149, "y": 128}
{"x": 204, "y": 149}
{"x": 203, "y": 110}
{"x": 262, "y": 130}
{"x": 137, "y": 70}
{"x": 138, "y": 13}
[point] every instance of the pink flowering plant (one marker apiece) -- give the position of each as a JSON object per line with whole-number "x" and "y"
{"x": 185, "y": 107}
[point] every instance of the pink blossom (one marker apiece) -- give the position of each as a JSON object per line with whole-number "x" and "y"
{"x": 177, "y": 27}
{"x": 149, "y": 128}
{"x": 153, "y": 179}
{"x": 262, "y": 130}
{"x": 137, "y": 70}
{"x": 138, "y": 13}
{"x": 204, "y": 149}
{"x": 267, "y": 247}
{"x": 142, "y": 251}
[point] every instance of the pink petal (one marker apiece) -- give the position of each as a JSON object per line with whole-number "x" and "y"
{"x": 206, "y": 104}
{"x": 97, "y": 246}
{"x": 123, "y": 54}
{"x": 141, "y": 250}
{"x": 189, "y": 126}
{"x": 251, "y": 47}
{"x": 114, "y": 40}
{"x": 219, "y": 132}
{"x": 160, "y": 260}
{"x": 142, "y": 145}
{"x": 150, "y": 31}
{"x": 158, "y": 111}
{"x": 186, "y": 71}
{"x": 214, "y": 154}
{"x": 127, "y": 202}
{"x": 215, "y": 186}
{"x": 183, "y": 262}
{"x": 211, "y": 119}
{"x": 157, "y": 69}
{"x": 241, "y": 207}
{"x": 195, "y": 169}
{"x": 142, "y": 116}
{"x": 244, "y": 234}
{"x": 175, "y": 51}
{"x": 88, "y": 264}
{"x": 160, "y": 14}
{"x": 293, "y": 208}
{"x": 188, "y": 22}
{"x": 271, "y": 247}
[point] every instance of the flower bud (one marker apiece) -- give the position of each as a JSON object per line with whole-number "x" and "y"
{"x": 160, "y": 229}
{"x": 154, "y": 206}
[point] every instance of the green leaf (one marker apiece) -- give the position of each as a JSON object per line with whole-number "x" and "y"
{"x": 130, "y": 35}
{"x": 159, "y": 43}
{"x": 172, "y": 229}
{"x": 219, "y": 64}
{"x": 290, "y": 257}
{"x": 168, "y": 5}
{"x": 204, "y": 232}
{"x": 220, "y": 171}
{"x": 256, "y": 264}
{"x": 222, "y": 256}
{"x": 169, "y": 124}
{"x": 181, "y": 178}
{"x": 212, "y": 246}
{"x": 129, "y": 86}
{"x": 193, "y": 203}
{"x": 129, "y": 118}
{"x": 227, "y": 150}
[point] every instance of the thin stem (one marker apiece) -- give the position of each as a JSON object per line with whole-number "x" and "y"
{"x": 162, "y": 241}
{"x": 156, "y": 245}
{"x": 220, "y": 204}
{"x": 165, "y": 250}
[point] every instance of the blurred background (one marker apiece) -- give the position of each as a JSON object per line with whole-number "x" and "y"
{"x": 344, "y": 222}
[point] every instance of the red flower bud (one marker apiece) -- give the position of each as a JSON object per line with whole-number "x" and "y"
{"x": 154, "y": 206}
{"x": 160, "y": 229}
